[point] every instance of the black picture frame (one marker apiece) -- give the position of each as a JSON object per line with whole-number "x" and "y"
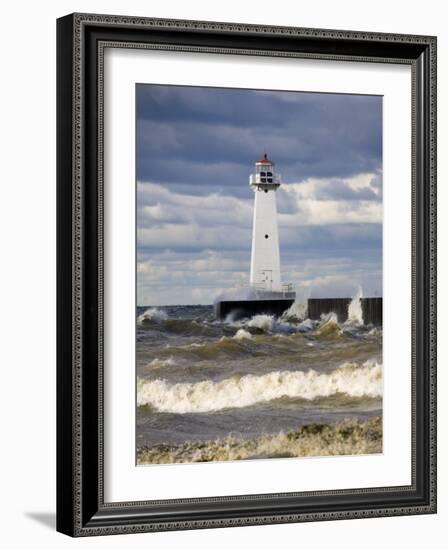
{"x": 81, "y": 510}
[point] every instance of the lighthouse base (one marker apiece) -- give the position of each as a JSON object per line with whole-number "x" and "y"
{"x": 240, "y": 309}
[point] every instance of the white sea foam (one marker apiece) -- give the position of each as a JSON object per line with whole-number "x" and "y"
{"x": 263, "y": 322}
{"x": 329, "y": 318}
{"x": 352, "y": 379}
{"x": 242, "y": 334}
{"x": 269, "y": 323}
{"x": 158, "y": 363}
{"x": 152, "y": 314}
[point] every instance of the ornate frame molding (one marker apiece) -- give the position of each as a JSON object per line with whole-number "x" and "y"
{"x": 82, "y": 39}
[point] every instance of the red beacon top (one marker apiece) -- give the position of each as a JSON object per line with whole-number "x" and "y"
{"x": 265, "y": 160}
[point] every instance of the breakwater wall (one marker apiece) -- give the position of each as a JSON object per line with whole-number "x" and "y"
{"x": 372, "y": 309}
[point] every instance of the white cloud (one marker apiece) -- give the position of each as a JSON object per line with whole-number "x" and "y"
{"x": 157, "y": 204}
{"x": 309, "y": 208}
{"x": 189, "y": 278}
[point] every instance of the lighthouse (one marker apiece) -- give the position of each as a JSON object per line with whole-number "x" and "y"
{"x": 265, "y": 257}
{"x": 266, "y": 292}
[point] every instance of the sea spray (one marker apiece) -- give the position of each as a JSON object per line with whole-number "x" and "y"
{"x": 296, "y": 313}
{"x": 262, "y": 322}
{"x": 355, "y": 310}
{"x": 351, "y": 379}
{"x": 243, "y": 292}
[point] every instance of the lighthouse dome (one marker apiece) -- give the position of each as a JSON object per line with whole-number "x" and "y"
{"x": 264, "y": 160}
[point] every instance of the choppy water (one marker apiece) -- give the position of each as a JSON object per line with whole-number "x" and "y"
{"x": 203, "y": 383}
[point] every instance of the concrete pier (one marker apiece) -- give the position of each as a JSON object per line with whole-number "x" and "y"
{"x": 372, "y": 309}
{"x": 240, "y": 309}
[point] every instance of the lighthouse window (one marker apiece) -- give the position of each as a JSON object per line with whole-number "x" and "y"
{"x": 269, "y": 180}
{"x": 263, "y": 180}
{"x": 265, "y": 190}
{"x": 263, "y": 174}
{"x": 270, "y": 174}
{"x": 266, "y": 236}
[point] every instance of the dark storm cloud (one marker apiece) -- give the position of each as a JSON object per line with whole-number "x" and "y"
{"x": 210, "y": 137}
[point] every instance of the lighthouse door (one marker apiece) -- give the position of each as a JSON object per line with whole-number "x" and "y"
{"x": 267, "y": 278}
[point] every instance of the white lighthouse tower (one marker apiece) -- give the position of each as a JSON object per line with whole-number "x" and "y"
{"x": 265, "y": 275}
{"x": 267, "y": 293}
{"x": 265, "y": 258}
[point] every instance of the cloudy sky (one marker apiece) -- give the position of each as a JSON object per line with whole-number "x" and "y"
{"x": 195, "y": 150}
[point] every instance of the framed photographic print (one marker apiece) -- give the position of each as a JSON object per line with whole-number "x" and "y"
{"x": 246, "y": 274}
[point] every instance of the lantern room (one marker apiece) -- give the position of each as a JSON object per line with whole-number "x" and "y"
{"x": 264, "y": 176}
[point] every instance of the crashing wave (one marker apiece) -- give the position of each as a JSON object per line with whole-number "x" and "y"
{"x": 160, "y": 363}
{"x": 296, "y": 313}
{"x": 352, "y": 379}
{"x": 242, "y": 334}
{"x": 329, "y": 325}
{"x": 152, "y": 314}
{"x": 262, "y": 322}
